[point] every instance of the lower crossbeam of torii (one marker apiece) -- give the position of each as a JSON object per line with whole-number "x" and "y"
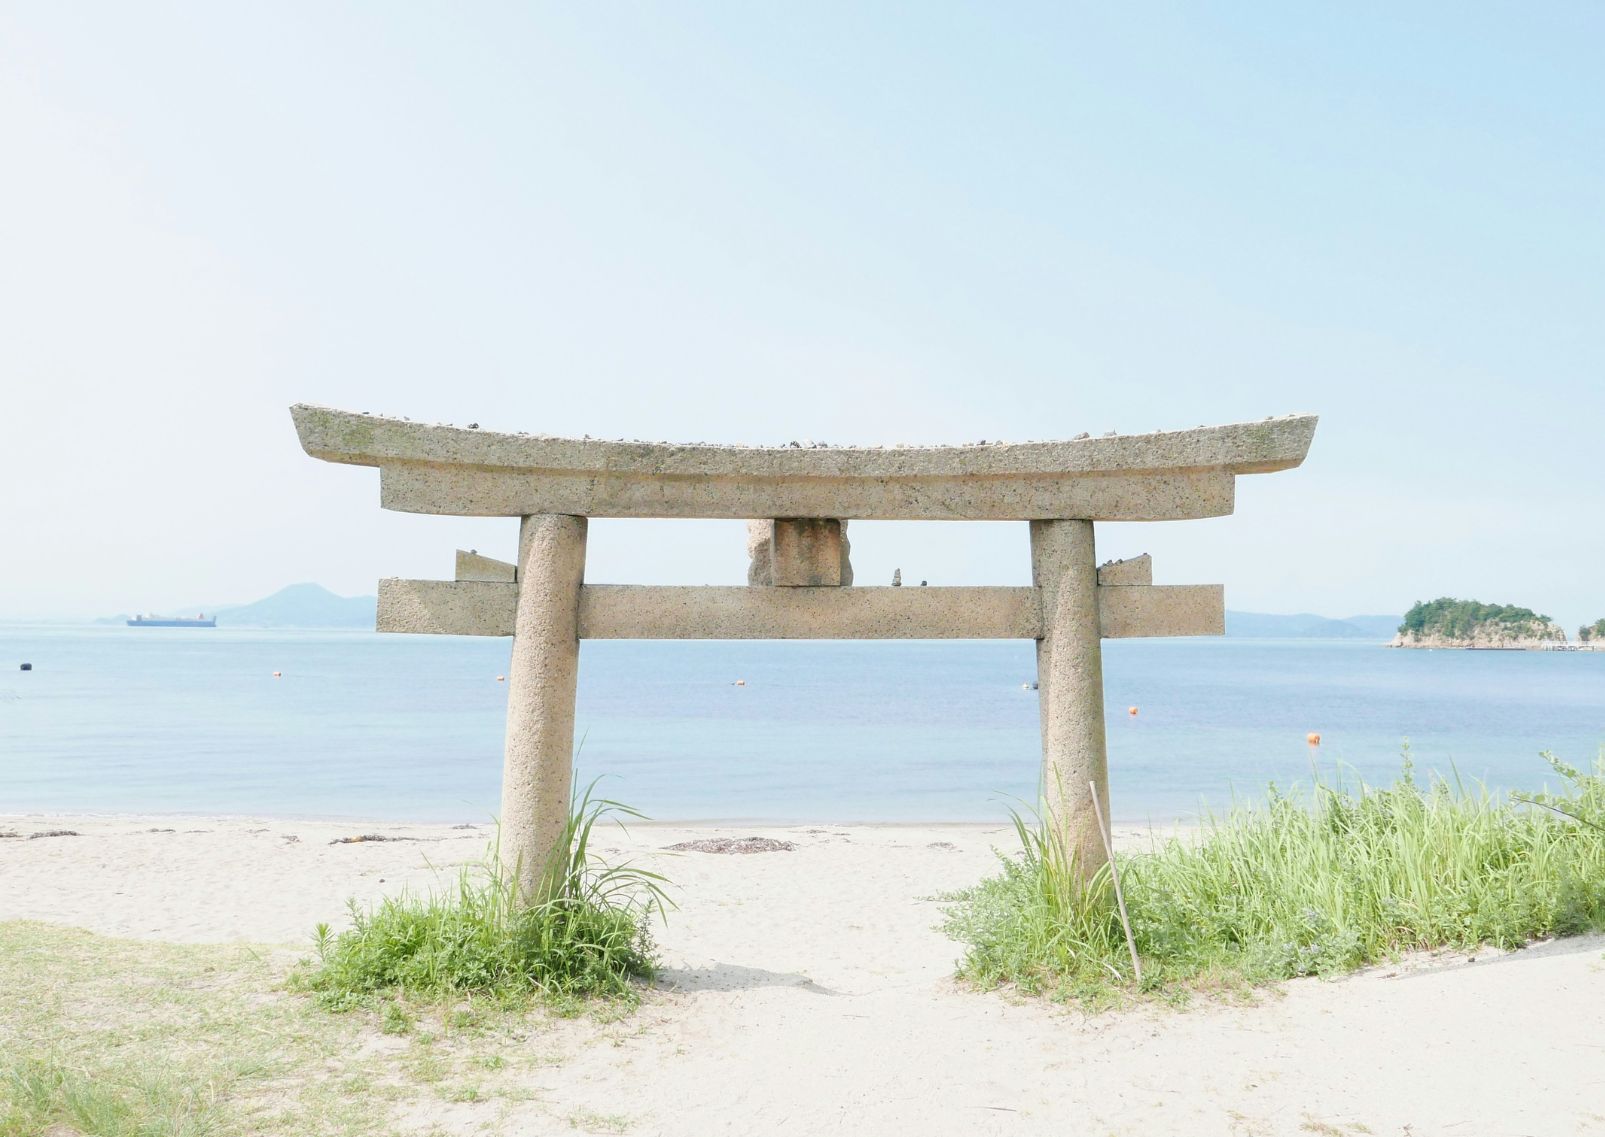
{"x": 800, "y": 577}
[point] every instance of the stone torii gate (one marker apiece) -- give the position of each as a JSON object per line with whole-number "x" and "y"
{"x": 800, "y": 578}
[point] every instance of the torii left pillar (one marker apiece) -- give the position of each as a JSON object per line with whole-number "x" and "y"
{"x": 1075, "y": 763}
{"x": 538, "y": 769}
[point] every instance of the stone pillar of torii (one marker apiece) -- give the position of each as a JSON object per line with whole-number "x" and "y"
{"x": 799, "y": 577}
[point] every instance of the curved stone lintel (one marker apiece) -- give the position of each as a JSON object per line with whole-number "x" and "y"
{"x": 451, "y": 470}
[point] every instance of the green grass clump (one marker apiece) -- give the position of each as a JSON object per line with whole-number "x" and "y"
{"x": 588, "y": 936}
{"x": 49, "y": 1095}
{"x": 1296, "y": 887}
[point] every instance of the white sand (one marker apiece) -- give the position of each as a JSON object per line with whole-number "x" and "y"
{"x": 807, "y": 992}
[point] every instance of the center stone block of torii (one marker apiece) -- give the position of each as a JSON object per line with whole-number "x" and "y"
{"x": 799, "y": 575}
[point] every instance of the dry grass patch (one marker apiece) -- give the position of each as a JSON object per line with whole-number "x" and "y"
{"x": 117, "y": 1038}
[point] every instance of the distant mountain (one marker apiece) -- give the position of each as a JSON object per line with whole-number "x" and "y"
{"x": 301, "y": 606}
{"x": 1385, "y": 626}
{"x": 1307, "y": 625}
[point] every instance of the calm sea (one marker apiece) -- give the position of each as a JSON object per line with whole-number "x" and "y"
{"x": 193, "y": 721}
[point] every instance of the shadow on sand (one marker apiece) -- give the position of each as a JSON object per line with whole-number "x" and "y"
{"x": 1487, "y": 957}
{"x": 733, "y": 977}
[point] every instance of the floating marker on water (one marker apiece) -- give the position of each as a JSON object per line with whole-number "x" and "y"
{"x": 278, "y": 675}
{"x": 740, "y": 683}
{"x": 27, "y": 667}
{"x": 1312, "y": 738}
{"x": 1132, "y": 711}
{"x": 501, "y": 678}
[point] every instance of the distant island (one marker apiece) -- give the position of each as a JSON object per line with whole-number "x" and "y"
{"x": 295, "y": 606}
{"x": 1308, "y": 626}
{"x": 1450, "y": 623}
{"x": 1592, "y": 634}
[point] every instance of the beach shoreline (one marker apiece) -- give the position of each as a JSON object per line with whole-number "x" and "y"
{"x": 270, "y": 879}
{"x": 811, "y": 990}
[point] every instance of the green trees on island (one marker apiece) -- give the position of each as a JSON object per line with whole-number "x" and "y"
{"x": 1460, "y": 619}
{"x": 1590, "y": 632}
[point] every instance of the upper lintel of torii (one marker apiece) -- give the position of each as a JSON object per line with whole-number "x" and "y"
{"x": 466, "y": 471}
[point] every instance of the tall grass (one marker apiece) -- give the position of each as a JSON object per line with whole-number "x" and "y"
{"x": 589, "y": 936}
{"x": 1297, "y": 886}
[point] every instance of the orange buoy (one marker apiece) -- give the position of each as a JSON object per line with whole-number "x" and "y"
{"x": 1132, "y": 711}
{"x": 1312, "y": 738}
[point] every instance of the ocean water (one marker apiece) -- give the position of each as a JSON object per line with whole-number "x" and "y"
{"x": 404, "y": 727}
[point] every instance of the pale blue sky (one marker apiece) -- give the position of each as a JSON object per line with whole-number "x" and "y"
{"x": 753, "y": 223}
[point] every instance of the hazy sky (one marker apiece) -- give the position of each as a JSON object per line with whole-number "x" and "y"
{"x": 841, "y": 222}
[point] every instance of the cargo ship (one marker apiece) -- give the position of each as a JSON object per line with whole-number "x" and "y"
{"x": 200, "y": 621}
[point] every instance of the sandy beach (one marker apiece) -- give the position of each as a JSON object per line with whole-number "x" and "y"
{"x": 808, "y": 991}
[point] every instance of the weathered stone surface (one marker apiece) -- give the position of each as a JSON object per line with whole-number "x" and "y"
{"x": 812, "y": 553}
{"x": 631, "y": 611}
{"x": 1125, "y": 612}
{"x": 472, "y": 566}
{"x": 1129, "y": 572}
{"x": 537, "y": 769}
{"x": 447, "y": 607}
{"x": 806, "y": 553}
{"x": 1070, "y": 686}
{"x": 469, "y": 492}
{"x": 760, "y": 552}
{"x": 443, "y": 469}
{"x": 372, "y": 440}
{"x": 667, "y": 612}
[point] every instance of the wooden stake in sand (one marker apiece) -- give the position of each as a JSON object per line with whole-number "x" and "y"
{"x": 1114, "y": 875}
